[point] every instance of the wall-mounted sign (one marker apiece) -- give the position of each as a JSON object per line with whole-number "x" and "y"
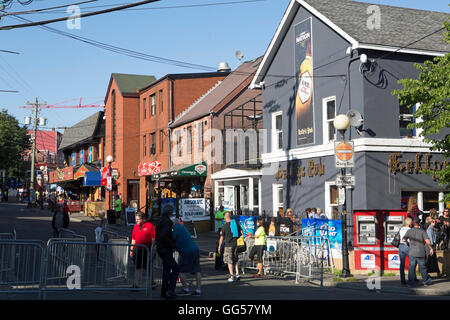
{"x": 294, "y": 171}
{"x": 304, "y": 101}
{"x": 415, "y": 166}
{"x": 344, "y": 154}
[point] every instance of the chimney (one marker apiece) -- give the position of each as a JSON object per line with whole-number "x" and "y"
{"x": 223, "y": 67}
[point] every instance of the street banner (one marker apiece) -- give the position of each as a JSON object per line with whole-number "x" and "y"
{"x": 304, "y": 102}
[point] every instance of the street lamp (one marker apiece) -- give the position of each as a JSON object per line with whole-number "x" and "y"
{"x": 342, "y": 123}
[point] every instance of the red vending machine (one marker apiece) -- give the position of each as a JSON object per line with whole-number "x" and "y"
{"x": 373, "y": 231}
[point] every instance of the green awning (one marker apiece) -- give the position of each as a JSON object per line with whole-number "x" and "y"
{"x": 193, "y": 170}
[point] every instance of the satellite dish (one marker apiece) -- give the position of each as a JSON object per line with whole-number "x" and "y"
{"x": 239, "y": 55}
{"x": 356, "y": 119}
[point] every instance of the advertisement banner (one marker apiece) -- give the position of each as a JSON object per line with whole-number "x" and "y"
{"x": 304, "y": 105}
{"x": 324, "y": 228}
{"x": 248, "y": 225}
{"x": 193, "y": 209}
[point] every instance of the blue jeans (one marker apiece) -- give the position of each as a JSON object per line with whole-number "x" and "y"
{"x": 413, "y": 262}
{"x": 403, "y": 250}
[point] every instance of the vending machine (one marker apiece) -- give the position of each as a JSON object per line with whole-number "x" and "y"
{"x": 373, "y": 233}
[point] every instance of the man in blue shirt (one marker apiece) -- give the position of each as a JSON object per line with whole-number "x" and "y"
{"x": 189, "y": 260}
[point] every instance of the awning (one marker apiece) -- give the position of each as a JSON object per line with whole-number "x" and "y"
{"x": 193, "y": 170}
{"x": 149, "y": 168}
{"x": 83, "y": 169}
{"x": 92, "y": 179}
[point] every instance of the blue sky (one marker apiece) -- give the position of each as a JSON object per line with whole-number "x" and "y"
{"x": 57, "y": 69}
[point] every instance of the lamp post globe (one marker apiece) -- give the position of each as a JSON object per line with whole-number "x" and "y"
{"x": 109, "y": 159}
{"x": 341, "y": 122}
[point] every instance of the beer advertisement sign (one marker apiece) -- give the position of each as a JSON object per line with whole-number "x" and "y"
{"x": 304, "y": 87}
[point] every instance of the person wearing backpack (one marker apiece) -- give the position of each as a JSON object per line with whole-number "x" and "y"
{"x": 403, "y": 248}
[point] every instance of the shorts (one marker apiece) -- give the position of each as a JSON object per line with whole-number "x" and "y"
{"x": 140, "y": 258}
{"x": 230, "y": 256}
{"x": 258, "y": 251}
{"x": 189, "y": 262}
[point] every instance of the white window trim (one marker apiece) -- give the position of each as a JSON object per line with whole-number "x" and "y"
{"x": 275, "y": 199}
{"x": 274, "y": 131}
{"x": 328, "y": 205}
{"x": 325, "y": 123}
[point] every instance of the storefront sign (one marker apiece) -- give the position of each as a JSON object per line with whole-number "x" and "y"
{"x": 61, "y": 175}
{"x": 149, "y": 168}
{"x": 193, "y": 209}
{"x": 80, "y": 172}
{"x": 415, "y": 166}
{"x": 298, "y": 172}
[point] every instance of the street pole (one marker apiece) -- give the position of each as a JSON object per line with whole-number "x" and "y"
{"x": 33, "y": 152}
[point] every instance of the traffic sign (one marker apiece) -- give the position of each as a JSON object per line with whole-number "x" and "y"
{"x": 344, "y": 154}
{"x": 347, "y": 180}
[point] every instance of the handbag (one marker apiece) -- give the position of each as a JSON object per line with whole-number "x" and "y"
{"x": 396, "y": 241}
{"x": 241, "y": 245}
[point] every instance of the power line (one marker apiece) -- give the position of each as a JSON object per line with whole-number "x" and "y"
{"x": 40, "y": 10}
{"x": 31, "y": 24}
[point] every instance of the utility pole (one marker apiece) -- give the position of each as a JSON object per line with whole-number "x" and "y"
{"x": 33, "y": 151}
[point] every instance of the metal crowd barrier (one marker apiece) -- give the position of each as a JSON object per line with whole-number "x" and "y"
{"x": 292, "y": 255}
{"x": 69, "y": 234}
{"x": 21, "y": 264}
{"x": 8, "y": 235}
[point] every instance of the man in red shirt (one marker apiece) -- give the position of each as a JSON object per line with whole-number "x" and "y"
{"x": 143, "y": 234}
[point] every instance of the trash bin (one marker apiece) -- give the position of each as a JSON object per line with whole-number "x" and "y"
{"x": 111, "y": 216}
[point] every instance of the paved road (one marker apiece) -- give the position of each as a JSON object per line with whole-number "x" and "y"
{"x": 36, "y": 224}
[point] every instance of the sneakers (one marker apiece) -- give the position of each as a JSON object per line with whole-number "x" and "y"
{"x": 196, "y": 293}
{"x": 184, "y": 292}
{"x": 169, "y": 296}
{"x": 238, "y": 277}
{"x": 428, "y": 282}
{"x": 231, "y": 279}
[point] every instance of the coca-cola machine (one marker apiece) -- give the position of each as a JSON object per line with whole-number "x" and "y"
{"x": 373, "y": 232}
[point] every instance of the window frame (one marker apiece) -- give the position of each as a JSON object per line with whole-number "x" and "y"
{"x": 152, "y": 104}
{"x": 275, "y": 198}
{"x": 275, "y": 134}
{"x": 326, "y": 123}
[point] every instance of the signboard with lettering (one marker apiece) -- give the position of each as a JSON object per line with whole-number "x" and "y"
{"x": 344, "y": 154}
{"x": 193, "y": 209}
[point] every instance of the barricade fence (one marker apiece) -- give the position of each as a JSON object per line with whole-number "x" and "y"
{"x": 293, "y": 255}
{"x": 73, "y": 264}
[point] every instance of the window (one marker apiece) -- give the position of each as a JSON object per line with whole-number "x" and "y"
{"x": 145, "y": 108}
{"x": 200, "y": 136}
{"x": 406, "y": 117}
{"x": 329, "y": 113}
{"x": 426, "y": 200}
{"x": 178, "y": 134}
{"x": 331, "y": 200}
{"x": 278, "y": 202}
{"x": 145, "y": 145}
{"x": 189, "y": 140}
{"x": 152, "y": 143}
{"x": 153, "y": 104}
{"x": 161, "y": 100}
{"x": 277, "y": 131}
{"x": 161, "y": 140}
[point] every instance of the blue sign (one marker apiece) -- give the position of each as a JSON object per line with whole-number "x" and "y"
{"x": 248, "y": 225}
{"x": 332, "y": 229}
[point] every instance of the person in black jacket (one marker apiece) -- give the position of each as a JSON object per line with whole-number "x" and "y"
{"x": 165, "y": 245}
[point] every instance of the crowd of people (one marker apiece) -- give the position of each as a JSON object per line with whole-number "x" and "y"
{"x": 420, "y": 237}
{"x": 170, "y": 235}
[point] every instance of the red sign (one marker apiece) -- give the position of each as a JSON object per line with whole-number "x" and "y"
{"x": 148, "y": 168}
{"x": 104, "y": 172}
{"x": 61, "y": 175}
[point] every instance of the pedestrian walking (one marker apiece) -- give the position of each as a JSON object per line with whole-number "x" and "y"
{"x": 189, "y": 258}
{"x": 143, "y": 234}
{"x": 118, "y": 207}
{"x": 229, "y": 234}
{"x": 403, "y": 248}
{"x": 259, "y": 247}
{"x": 418, "y": 238}
{"x": 165, "y": 245}
{"x": 432, "y": 263}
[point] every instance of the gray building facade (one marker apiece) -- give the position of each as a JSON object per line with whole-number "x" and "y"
{"x": 386, "y": 161}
